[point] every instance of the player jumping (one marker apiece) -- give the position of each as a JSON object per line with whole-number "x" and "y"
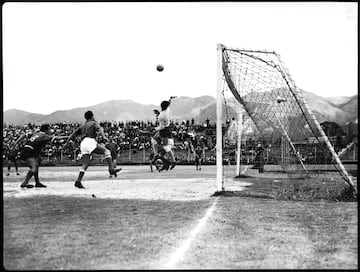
{"x": 89, "y": 145}
{"x": 165, "y": 130}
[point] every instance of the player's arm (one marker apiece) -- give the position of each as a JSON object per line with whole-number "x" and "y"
{"x": 102, "y": 133}
{"x": 58, "y": 138}
{"x": 75, "y": 132}
{"x": 19, "y": 139}
{"x": 117, "y": 147}
{"x": 156, "y": 134}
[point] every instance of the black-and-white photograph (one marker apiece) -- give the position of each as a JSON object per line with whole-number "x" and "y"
{"x": 180, "y": 135}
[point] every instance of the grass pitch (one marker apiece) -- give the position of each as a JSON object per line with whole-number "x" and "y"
{"x": 140, "y": 219}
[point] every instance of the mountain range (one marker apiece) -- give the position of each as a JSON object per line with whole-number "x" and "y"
{"x": 335, "y": 109}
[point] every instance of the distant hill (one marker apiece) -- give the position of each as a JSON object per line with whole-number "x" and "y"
{"x": 337, "y": 100}
{"x": 325, "y": 110}
{"x": 351, "y": 106}
{"x": 182, "y": 108}
{"x": 113, "y": 110}
{"x": 187, "y": 107}
{"x": 14, "y": 116}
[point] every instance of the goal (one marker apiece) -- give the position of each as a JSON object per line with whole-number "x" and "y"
{"x": 265, "y": 124}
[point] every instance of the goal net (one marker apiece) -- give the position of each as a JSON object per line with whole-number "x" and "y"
{"x": 265, "y": 124}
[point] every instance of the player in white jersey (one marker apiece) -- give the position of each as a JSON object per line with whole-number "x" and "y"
{"x": 165, "y": 130}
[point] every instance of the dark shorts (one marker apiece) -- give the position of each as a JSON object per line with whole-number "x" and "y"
{"x": 27, "y": 153}
{"x": 165, "y": 133}
{"x": 198, "y": 158}
{"x": 113, "y": 156}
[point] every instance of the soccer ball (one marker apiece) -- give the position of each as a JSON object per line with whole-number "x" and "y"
{"x": 160, "y": 68}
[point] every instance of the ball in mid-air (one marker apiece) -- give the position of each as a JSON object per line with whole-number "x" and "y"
{"x": 160, "y": 68}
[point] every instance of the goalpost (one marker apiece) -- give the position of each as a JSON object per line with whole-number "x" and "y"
{"x": 274, "y": 125}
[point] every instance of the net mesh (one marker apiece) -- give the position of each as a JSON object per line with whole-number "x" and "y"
{"x": 278, "y": 132}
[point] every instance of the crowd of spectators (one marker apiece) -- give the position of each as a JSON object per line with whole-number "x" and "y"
{"x": 130, "y": 135}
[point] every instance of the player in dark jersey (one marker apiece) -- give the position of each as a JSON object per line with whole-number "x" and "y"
{"x": 114, "y": 148}
{"x": 13, "y": 151}
{"x": 31, "y": 152}
{"x": 12, "y": 156}
{"x": 198, "y": 157}
{"x": 89, "y": 145}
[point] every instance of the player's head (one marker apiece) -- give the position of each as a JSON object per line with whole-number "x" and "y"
{"x": 45, "y": 127}
{"x": 88, "y": 115}
{"x": 164, "y": 105}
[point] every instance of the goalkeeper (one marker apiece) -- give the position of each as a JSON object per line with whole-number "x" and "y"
{"x": 165, "y": 131}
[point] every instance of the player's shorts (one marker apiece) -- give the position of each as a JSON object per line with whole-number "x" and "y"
{"x": 87, "y": 145}
{"x": 28, "y": 152}
{"x": 168, "y": 144}
{"x": 198, "y": 158}
{"x": 165, "y": 132}
{"x": 113, "y": 155}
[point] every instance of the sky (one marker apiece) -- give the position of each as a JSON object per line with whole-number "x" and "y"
{"x": 65, "y": 55}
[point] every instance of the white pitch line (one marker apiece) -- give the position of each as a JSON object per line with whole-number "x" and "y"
{"x": 179, "y": 253}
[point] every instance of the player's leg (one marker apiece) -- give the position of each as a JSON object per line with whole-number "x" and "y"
{"x": 151, "y": 157}
{"x": 32, "y": 163}
{"x": 36, "y": 175}
{"x": 114, "y": 162}
{"x": 28, "y": 156}
{"x": 168, "y": 145}
{"x": 87, "y": 145}
{"x": 155, "y": 146}
{"x": 9, "y": 167}
{"x": 14, "y": 161}
{"x": 100, "y": 149}
{"x": 84, "y": 167}
{"x": 16, "y": 166}
{"x": 113, "y": 166}
{"x": 155, "y": 152}
{"x": 25, "y": 183}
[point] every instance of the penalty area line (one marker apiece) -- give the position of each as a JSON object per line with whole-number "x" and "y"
{"x": 179, "y": 253}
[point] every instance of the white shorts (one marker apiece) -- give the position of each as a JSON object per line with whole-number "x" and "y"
{"x": 88, "y": 145}
{"x": 169, "y": 145}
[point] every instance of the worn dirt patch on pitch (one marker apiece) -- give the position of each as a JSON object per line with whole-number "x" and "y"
{"x": 154, "y": 189}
